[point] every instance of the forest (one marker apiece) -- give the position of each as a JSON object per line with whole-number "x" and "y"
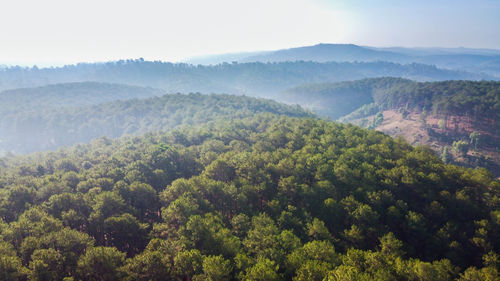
{"x": 477, "y": 98}
{"x": 266, "y": 197}
{"x": 444, "y": 115}
{"x": 26, "y": 127}
{"x": 204, "y": 141}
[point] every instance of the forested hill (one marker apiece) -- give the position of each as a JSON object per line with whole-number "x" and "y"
{"x": 69, "y": 94}
{"x": 48, "y": 128}
{"x": 459, "y": 119}
{"x": 338, "y": 99}
{"x": 260, "y": 79}
{"x": 477, "y": 98}
{"x": 263, "y": 198}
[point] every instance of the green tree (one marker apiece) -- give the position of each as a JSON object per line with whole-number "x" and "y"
{"x": 188, "y": 264}
{"x": 263, "y": 270}
{"x": 461, "y": 147}
{"x": 46, "y": 264}
{"x": 100, "y": 263}
{"x": 148, "y": 266}
{"x": 262, "y": 239}
{"x": 475, "y": 139}
{"x": 216, "y": 268}
{"x": 11, "y": 267}
{"x": 220, "y": 170}
{"x": 445, "y": 155}
{"x": 126, "y": 233}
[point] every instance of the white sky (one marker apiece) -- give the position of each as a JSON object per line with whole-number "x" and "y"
{"x": 48, "y": 32}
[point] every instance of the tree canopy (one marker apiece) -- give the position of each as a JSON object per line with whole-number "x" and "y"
{"x": 262, "y": 198}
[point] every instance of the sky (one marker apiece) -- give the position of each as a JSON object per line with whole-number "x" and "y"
{"x": 56, "y": 32}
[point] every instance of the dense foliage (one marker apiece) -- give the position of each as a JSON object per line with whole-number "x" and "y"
{"x": 480, "y": 99}
{"x": 264, "y": 198}
{"x": 261, "y": 79}
{"x": 477, "y": 98}
{"x": 44, "y": 129}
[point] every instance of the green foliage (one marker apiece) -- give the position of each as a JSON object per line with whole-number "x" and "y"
{"x": 263, "y": 270}
{"x": 461, "y": 147}
{"x": 445, "y": 155}
{"x": 188, "y": 264}
{"x": 100, "y": 263}
{"x": 11, "y": 267}
{"x": 377, "y": 121}
{"x": 359, "y": 99}
{"x": 261, "y": 198}
{"x": 148, "y": 266}
{"x": 216, "y": 268}
{"x": 448, "y": 97}
{"x": 46, "y": 264}
{"x": 475, "y": 139}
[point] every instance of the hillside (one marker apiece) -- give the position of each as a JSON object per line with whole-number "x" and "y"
{"x": 255, "y": 79}
{"x": 459, "y": 119}
{"x": 264, "y": 198}
{"x": 442, "y": 115}
{"x": 51, "y": 127}
{"x": 458, "y": 139}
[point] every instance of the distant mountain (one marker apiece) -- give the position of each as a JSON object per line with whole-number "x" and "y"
{"x": 473, "y": 60}
{"x": 317, "y": 53}
{"x": 460, "y": 120}
{"x": 255, "y": 79}
{"x": 325, "y": 53}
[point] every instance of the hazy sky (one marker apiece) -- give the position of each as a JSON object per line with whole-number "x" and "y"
{"x": 68, "y": 31}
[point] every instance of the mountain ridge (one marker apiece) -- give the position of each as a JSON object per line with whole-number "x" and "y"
{"x": 476, "y": 60}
